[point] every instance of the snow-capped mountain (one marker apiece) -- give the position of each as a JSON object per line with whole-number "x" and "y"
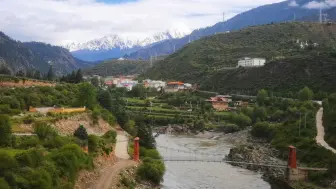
{"x": 115, "y": 41}
{"x": 116, "y": 46}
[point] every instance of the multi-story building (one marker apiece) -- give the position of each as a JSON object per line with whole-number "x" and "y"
{"x": 251, "y": 62}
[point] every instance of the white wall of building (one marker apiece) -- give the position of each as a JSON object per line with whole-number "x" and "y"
{"x": 251, "y": 62}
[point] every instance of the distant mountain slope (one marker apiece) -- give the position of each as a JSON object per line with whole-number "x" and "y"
{"x": 202, "y": 60}
{"x": 277, "y": 12}
{"x": 36, "y": 56}
{"x": 118, "y": 67}
{"x": 114, "y": 46}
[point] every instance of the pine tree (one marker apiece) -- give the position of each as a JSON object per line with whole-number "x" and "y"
{"x": 81, "y": 133}
{"x": 50, "y": 75}
{"x": 37, "y": 75}
{"x": 79, "y": 76}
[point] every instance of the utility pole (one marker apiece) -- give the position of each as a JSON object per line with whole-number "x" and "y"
{"x": 320, "y": 16}
{"x": 294, "y": 19}
{"x": 300, "y": 125}
{"x": 151, "y": 62}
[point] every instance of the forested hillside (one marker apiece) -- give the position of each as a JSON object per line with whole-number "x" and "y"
{"x": 205, "y": 61}
{"x": 118, "y": 67}
{"x": 19, "y": 56}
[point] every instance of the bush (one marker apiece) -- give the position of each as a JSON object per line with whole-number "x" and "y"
{"x": 151, "y": 170}
{"x": 263, "y": 130}
{"x": 108, "y": 117}
{"x": 44, "y": 131}
{"x": 81, "y": 133}
{"x": 28, "y": 119}
{"x": 93, "y": 143}
{"x": 110, "y": 136}
{"x": 4, "y": 184}
{"x": 31, "y": 158}
{"x": 95, "y": 115}
{"x": 230, "y": 128}
{"x": 56, "y": 142}
{"x": 127, "y": 182}
{"x": 69, "y": 159}
{"x": 7, "y": 162}
{"x": 28, "y": 142}
{"x": 241, "y": 120}
{"x": 5, "y": 131}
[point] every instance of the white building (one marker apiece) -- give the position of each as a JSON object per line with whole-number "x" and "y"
{"x": 154, "y": 84}
{"x": 251, "y": 62}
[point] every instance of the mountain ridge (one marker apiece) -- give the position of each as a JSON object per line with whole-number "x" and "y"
{"x": 204, "y": 61}
{"x": 115, "y": 46}
{"x": 271, "y": 13}
{"x": 33, "y": 56}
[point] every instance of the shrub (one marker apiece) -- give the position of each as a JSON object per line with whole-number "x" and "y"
{"x": 151, "y": 170}
{"x": 28, "y": 119}
{"x": 44, "y": 130}
{"x": 230, "y": 128}
{"x": 28, "y": 142}
{"x": 127, "y": 182}
{"x": 69, "y": 159}
{"x": 5, "y": 131}
{"x": 95, "y": 115}
{"x": 153, "y": 153}
{"x": 4, "y": 184}
{"x": 110, "y": 136}
{"x": 56, "y": 142}
{"x": 241, "y": 120}
{"x": 6, "y": 162}
{"x": 93, "y": 143}
{"x": 263, "y": 130}
{"x": 108, "y": 117}
{"x": 81, "y": 133}
{"x": 31, "y": 158}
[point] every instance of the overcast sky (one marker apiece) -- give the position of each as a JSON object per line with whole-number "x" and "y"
{"x": 61, "y": 21}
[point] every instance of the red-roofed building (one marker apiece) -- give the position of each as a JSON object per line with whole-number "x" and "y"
{"x": 174, "y": 86}
{"x": 220, "y": 102}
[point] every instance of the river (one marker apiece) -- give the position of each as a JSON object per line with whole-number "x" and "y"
{"x": 199, "y": 175}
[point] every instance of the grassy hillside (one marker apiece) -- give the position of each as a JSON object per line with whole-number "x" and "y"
{"x": 204, "y": 60}
{"x": 118, "y": 67}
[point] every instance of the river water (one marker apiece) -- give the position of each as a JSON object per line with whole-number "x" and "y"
{"x": 199, "y": 175}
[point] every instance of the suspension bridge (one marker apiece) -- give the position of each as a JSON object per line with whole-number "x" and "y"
{"x": 292, "y": 171}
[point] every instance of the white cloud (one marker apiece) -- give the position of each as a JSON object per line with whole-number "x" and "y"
{"x": 293, "y": 4}
{"x": 322, "y": 5}
{"x": 61, "y": 21}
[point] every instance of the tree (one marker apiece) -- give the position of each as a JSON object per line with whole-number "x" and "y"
{"x": 261, "y": 97}
{"x": 5, "y": 131}
{"x": 79, "y": 76}
{"x": 81, "y": 133}
{"x": 5, "y": 70}
{"x": 44, "y": 131}
{"x": 86, "y": 95}
{"x": 20, "y": 73}
{"x": 95, "y": 81}
{"x": 138, "y": 91}
{"x": 306, "y": 94}
{"x": 50, "y": 75}
{"x": 146, "y": 136}
{"x": 37, "y": 75}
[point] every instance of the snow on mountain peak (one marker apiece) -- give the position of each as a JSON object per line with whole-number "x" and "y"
{"x": 123, "y": 42}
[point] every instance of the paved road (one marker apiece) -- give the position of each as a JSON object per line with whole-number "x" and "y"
{"x": 110, "y": 177}
{"x": 320, "y": 131}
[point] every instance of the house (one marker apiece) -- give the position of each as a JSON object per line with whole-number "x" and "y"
{"x": 251, "y": 62}
{"x": 174, "y": 86}
{"x": 220, "y": 102}
{"x": 153, "y": 84}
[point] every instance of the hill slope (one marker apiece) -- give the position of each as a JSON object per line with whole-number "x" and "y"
{"x": 277, "y": 12}
{"x": 36, "y": 56}
{"x": 118, "y": 67}
{"x": 204, "y": 61}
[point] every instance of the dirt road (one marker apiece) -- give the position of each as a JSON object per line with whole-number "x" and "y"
{"x": 320, "y": 131}
{"x": 110, "y": 176}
